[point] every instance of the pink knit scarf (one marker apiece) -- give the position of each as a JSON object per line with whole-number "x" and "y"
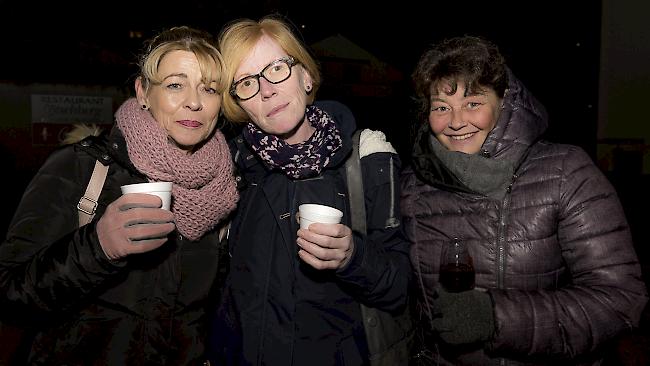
{"x": 203, "y": 191}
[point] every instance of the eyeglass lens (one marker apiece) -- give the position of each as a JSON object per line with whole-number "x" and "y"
{"x": 276, "y": 72}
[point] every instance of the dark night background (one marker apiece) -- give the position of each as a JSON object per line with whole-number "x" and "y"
{"x": 547, "y": 45}
{"x": 554, "y": 47}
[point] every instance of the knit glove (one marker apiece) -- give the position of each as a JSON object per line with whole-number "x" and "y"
{"x": 463, "y": 317}
{"x": 133, "y": 223}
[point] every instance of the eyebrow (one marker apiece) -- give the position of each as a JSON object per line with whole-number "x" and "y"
{"x": 474, "y": 93}
{"x": 178, "y": 74}
{"x": 238, "y": 77}
{"x": 243, "y": 76}
{"x": 470, "y": 94}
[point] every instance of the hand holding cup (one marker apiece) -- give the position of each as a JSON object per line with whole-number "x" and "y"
{"x": 323, "y": 246}
{"x": 311, "y": 213}
{"x": 160, "y": 189}
{"x": 135, "y": 223}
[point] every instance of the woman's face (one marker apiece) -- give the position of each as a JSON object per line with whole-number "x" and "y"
{"x": 277, "y": 109}
{"x": 462, "y": 122}
{"x": 182, "y": 104}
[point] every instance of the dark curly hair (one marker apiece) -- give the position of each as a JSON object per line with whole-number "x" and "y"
{"x": 473, "y": 61}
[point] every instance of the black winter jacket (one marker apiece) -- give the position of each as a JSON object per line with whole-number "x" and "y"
{"x": 148, "y": 309}
{"x": 287, "y": 313}
{"x": 555, "y": 254}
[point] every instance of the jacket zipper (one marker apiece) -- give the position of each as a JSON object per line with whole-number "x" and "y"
{"x": 501, "y": 257}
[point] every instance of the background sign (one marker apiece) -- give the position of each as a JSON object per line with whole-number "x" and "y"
{"x": 54, "y": 115}
{"x": 71, "y": 109}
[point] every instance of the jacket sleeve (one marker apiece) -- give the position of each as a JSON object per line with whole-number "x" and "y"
{"x": 379, "y": 271}
{"x": 605, "y": 295}
{"x": 47, "y": 263}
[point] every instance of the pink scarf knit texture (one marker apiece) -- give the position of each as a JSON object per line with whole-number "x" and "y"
{"x": 203, "y": 190}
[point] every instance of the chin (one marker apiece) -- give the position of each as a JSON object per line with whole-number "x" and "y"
{"x": 466, "y": 147}
{"x": 185, "y": 144}
{"x": 468, "y": 150}
{"x": 285, "y": 129}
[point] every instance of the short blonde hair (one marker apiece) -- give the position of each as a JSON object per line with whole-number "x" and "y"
{"x": 182, "y": 38}
{"x": 239, "y": 37}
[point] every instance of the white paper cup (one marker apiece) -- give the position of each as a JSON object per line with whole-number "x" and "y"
{"x": 311, "y": 213}
{"x": 160, "y": 189}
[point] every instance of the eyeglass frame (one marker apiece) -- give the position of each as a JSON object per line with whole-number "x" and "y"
{"x": 289, "y": 60}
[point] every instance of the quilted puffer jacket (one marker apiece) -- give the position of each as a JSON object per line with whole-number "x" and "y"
{"x": 554, "y": 253}
{"x": 149, "y": 309}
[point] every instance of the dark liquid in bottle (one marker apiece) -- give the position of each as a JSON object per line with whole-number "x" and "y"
{"x": 457, "y": 277}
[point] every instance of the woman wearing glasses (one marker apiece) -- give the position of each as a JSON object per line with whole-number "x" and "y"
{"x": 293, "y": 294}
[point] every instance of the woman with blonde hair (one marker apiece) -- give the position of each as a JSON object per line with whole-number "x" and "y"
{"x": 294, "y": 294}
{"x": 132, "y": 286}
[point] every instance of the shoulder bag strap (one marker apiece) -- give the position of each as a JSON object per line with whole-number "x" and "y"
{"x": 88, "y": 203}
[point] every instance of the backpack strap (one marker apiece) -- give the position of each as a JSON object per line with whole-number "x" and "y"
{"x": 355, "y": 187}
{"x": 389, "y": 336}
{"x": 88, "y": 203}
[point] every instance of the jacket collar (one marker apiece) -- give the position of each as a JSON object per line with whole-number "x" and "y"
{"x": 116, "y": 145}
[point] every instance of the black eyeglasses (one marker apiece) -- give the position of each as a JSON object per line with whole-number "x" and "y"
{"x": 275, "y": 73}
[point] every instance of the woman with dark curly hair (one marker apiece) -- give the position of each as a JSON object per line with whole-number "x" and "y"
{"x": 556, "y": 275}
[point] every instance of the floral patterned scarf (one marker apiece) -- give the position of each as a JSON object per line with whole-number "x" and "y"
{"x": 306, "y": 159}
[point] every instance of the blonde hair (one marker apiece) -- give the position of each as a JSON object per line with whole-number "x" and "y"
{"x": 182, "y": 38}
{"x": 239, "y": 37}
{"x": 80, "y": 131}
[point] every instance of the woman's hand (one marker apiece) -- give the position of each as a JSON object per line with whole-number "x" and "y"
{"x": 134, "y": 223}
{"x": 325, "y": 246}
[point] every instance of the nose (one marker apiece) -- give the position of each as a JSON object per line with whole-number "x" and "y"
{"x": 457, "y": 120}
{"x": 193, "y": 101}
{"x": 267, "y": 89}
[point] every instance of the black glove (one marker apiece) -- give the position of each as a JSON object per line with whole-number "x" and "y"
{"x": 463, "y": 317}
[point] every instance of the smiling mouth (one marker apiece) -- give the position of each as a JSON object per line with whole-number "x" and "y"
{"x": 462, "y": 137}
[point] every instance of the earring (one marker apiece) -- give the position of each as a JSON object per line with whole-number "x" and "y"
{"x": 144, "y": 107}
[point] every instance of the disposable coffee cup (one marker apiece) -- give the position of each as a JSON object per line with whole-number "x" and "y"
{"x": 311, "y": 213}
{"x": 160, "y": 189}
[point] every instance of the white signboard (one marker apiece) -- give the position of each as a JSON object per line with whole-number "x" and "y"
{"x": 70, "y": 109}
